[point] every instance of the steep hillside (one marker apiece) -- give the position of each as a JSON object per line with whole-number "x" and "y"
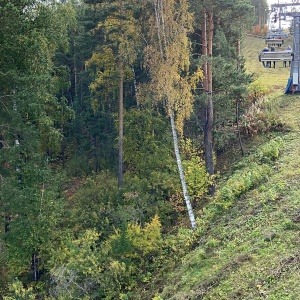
{"x": 248, "y": 239}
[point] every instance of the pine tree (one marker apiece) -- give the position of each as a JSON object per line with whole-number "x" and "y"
{"x": 112, "y": 61}
{"x": 222, "y": 26}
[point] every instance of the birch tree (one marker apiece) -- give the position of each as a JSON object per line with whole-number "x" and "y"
{"x": 167, "y": 58}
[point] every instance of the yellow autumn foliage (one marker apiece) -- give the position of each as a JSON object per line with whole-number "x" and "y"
{"x": 167, "y": 57}
{"x": 137, "y": 241}
{"x": 148, "y": 239}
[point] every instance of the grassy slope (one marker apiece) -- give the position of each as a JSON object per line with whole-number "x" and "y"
{"x": 275, "y": 79}
{"x": 252, "y": 250}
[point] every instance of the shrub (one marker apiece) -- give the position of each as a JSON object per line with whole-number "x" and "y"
{"x": 255, "y": 169}
{"x": 141, "y": 242}
{"x": 240, "y": 182}
{"x": 18, "y": 292}
{"x": 75, "y": 266}
{"x": 195, "y": 173}
{"x": 256, "y": 29}
{"x": 269, "y": 151}
{"x": 257, "y": 89}
{"x": 259, "y": 117}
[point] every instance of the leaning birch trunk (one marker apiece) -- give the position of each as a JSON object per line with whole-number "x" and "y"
{"x": 159, "y": 17}
{"x": 181, "y": 174}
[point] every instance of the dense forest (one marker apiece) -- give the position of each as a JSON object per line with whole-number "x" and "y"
{"x": 114, "y": 117}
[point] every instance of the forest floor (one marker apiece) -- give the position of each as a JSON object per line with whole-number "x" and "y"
{"x": 252, "y": 249}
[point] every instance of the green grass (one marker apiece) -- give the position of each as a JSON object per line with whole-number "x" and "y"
{"x": 251, "y": 250}
{"x": 275, "y": 79}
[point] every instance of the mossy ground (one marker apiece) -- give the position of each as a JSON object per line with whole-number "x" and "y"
{"x": 252, "y": 249}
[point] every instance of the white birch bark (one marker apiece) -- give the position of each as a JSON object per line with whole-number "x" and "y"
{"x": 181, "y": 174}
{"x": 159, "y": 10}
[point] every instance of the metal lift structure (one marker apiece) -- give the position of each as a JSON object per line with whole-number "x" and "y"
{"x": 281, "y": 12}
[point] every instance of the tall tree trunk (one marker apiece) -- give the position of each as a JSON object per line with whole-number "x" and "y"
{"x": 181, "y": 174}
{"x": 35, "y": 267}
{"x": 135, "y": 88}
{"x": 121, "y": 79}
{"x": 204, "y": 49}
{"x": 208, "y": 129}
{"x": 238, "y": 52}
{"x": 237, "y": 103}
{"x": 73, "y": 79}
{"x": 96, "y": 166}
{"x": 238, "y": 125}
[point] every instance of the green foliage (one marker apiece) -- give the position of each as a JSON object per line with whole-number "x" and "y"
{"x": 32, "y": 117}
{"x": 119, "y": 30}
{"x": 78, "y": 166}
{"x": 195, "y": 173}
{"x": 269, "y": 151}
{"x": 167, "y": 57}
{"x": 221, "y": 46}
{"x": 151, "y": 175}
{"x": 240, "y": 182}
{"x": 144, "y": 241}
{"x": 230, "y": 93}
{"x": 99, "y": 242}
{"x": 101, "y": 209}
{"x": 251, "y": 249}
{"x": 212, "y": 243}
{"x": 157, "y": 298}
{"x": 27, "y": 49}
{"x": 75, "y": 266}
{"x": 196, "y": 177}
{"x": 32, "y": 206}
{"x": 257, "y": 89}
{"x": 235, "y": 18}
{"x": 18, "y": 292}
{"x": 147, "y": 146}
{"x": 148, "y": 158}
{"x": 256, "y": 169}
{"x": 92, "y": 267}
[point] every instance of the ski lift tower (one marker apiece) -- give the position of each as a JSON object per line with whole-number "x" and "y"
{"x": 282, "y": 11}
